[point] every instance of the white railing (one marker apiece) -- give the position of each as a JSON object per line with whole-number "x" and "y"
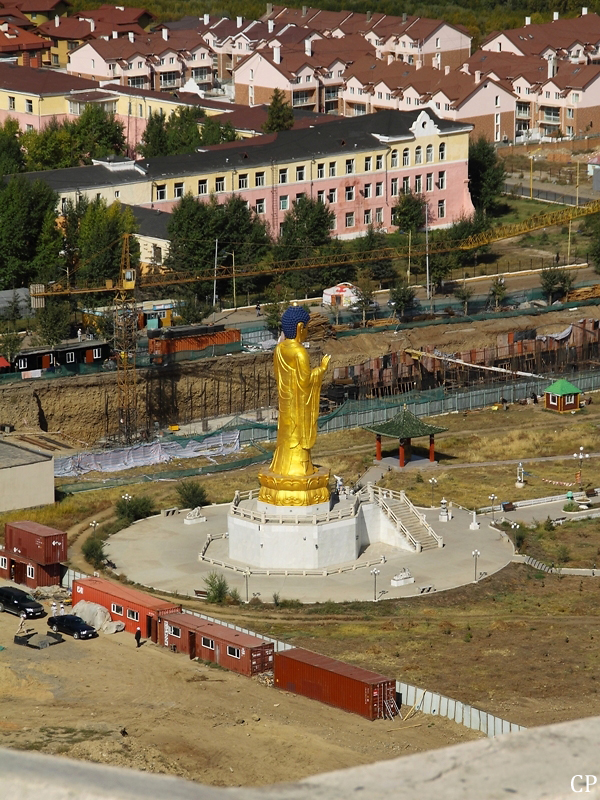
{"x": 263, "y": 517}
{"x": 399, "y": 525}
{"x": 324, "y": 572}
{"x": 389, "y": 494}
{"x": 423, "y": 521}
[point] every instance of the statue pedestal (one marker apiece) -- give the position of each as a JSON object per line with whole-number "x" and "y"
{"x": 300, "y": 492}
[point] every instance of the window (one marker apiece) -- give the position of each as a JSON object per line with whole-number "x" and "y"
{"x": 299, "y": 195}
{"x": 30, "y": 571}
{"x": 380, "y": 95}
{"x": 209, "y": 643}
{"x": 368, "y": 189}
{"x": 97, "y": 352}
{"x": 340, "y": 73}
{"x": 11, "y": 103}
{"x": 406, "y": 157}
{"x": 332, "y": 169}
{"x": 3, "y": 562}
{"x": 178, "y": 190}
{"x": 441, "y": 180}
{"x": 368, "y": 217}
{"x": 219, "y": 184}
{"x": 320, "y": 170}
{"x": 134, "y": 615}
{"x": 259, "y": 179}
{"x": 352, "y": 90}
{"x": 29, "y": 128}
{"x": 570, "y": 113}
{"x": 569, "y": 130}
{"x": 441, "y": 209}
{"x": 349, "y": 192}
{"x": 388, "y": 96}
{"x": 234, "y": 652}
{"x": 137, "y": 82}
{"x": 378, "y": 162}
{"x": 442, "y": 151}
{"x": 394, "y": 187}
{"x": 284, "y": 202}
{"x": 394, "y": 159}
{"x": 203, "y": 186}
{"x": 368, "y": 163}
{"x": 308, "y": 79}
{"x": 575, "y": 97}
{"x": 497, "y": 100}
{"x": 438, "y": 106}
{"x": 170, "y": 79}
{"x": 260, "y": 206}
{"x": 140, "y": 110}
{"x": 418, "y": 155}
{"x": 379, "y": 189}
{"x": 557, "y": 95}
{"x": 112, "y": 67}
{"x": 321, "y": 197}
{"x": 349, "y": 166}
{"x": 300, "y": 173}
{"x": 157, "y": 258}
{"x": 243, "y": 181}
{"x": 161, "y": 191}
{"x": 408, "y": 100}
{"x": 418, "y": 184}
{"x": 406, "y": 185}
{"x": 93, "y": 64}
{"x": 22, "y": 363}
{"x": 350, "y": 219}
{"x": 379, "y": 216}
{"x": 29, "y": 106}
{"x": 139, "y": 65}
{"x": 175, "y": 631}
{"x": 116, "y": 609}
{"x": 283, "y": 176}
{"x": 429, "y": 154}
{"x": 429, "y": 182}
{"x": 553, "y": 399}
{"x": 569, "y": 399}
{"x": 437, "y": 41}
{"x": 332, "y": 196}
{"x": 70, "y": 358}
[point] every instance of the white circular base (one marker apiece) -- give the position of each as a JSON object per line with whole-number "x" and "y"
{"x": 293, "y": 511}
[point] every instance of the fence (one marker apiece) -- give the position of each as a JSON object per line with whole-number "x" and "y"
{"x": 71, "y": 575}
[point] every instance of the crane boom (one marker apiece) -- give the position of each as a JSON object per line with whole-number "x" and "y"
{"x": 419, "y": 354}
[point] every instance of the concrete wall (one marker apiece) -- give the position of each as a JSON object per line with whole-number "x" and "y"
{"x": 27, "y": 486}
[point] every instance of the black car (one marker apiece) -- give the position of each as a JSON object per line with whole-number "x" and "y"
{"x": 73, "y": 625}
{"x": 17, "y": 601}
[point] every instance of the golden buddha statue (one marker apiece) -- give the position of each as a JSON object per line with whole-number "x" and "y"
{"x": 292, "y": 479}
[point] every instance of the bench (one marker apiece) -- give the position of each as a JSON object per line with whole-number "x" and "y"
{"x": 426, "y": 589}
{"x": 508, "y": 506}
{"x": 202, "y": 593}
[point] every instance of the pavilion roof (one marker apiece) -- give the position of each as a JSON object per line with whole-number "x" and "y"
{"x": 404, "y": 425}
{"x": 562, "y": 387}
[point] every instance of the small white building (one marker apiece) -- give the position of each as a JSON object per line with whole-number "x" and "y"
{"x": 342, "y": 295}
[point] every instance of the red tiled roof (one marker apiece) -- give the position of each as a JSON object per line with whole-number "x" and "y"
{"x": 40, "y": 81}
{"x": 15, "y": 39}
{"x": 148, "y": 44}
{"x": 115, "y": 15}
{"x": 559, "y": 34}
{"x": 31, "y": 6}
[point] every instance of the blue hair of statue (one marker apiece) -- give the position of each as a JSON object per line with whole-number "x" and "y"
{"x": 290, "y": 319}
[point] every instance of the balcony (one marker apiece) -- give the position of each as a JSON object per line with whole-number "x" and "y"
{"x": 303, "y": 99}
{"x": 332, "y": 94}
{"x": 523, "y": 112}
{"x": 550, "y": 119}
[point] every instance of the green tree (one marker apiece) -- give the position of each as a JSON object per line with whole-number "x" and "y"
{"x": 154, "y": 140}
{"x": 13, "y": 310}
{"x": 98, "y": 134}
{"x": 278, "y": 299}
{"x": 49, "y": 262}
{"x": 101, "y": 232}
{"x": 306, "y": 226}
{"x": 464, "y": 293}
{"x": 191, "y": 494}
{"x": 498, "y": 291}
{"x": 403, "y": 297}
{"x": 409, "y": 212}
{"x": 365, "y": 292}
{"x": 217, "y": 588}
{"x": 10, "y": 345}
{"x": 93, "y": 551}
{"x": 381, "y": 266}
{"x": 183, "y": 134}
{"x": 12, "y": 158}
{"x": 486, "y": 175}
{"x": 215, "y": 132}
{"x": 131, "y": 508}
{"x": 54, "y": 147}
{"x": 53, "y": 322}
{"x": 550, "y": 281}
{"x": 280, "y": 116}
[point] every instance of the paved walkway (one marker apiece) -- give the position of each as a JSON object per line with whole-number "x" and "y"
{"x": 162, "y": 552}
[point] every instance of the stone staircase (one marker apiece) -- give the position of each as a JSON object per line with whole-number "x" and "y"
{"x": 408, "y": 520}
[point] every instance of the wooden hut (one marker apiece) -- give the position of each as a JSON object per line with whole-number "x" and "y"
{"x": 562, "y": 396}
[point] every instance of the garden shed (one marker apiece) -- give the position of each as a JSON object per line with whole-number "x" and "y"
{"x": 562, "y": 396}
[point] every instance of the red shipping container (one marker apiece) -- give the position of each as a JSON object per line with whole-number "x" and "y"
{"x": 36, "y": 542}
{"x": 199, "y": 638}
{"x": 129, "y": 606}
{"x": 26, "y": 572}
{"x": 335, "y": 683}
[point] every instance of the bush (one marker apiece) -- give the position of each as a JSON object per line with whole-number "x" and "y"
{"x": 93, "y": 551}
{"x": 563, "y": 554}
{"x": 216, "y": 588}
{"x": 234, "y": 597}
{"x": 290, "y": 603}
{"x": 570, "y": 506}
{"x": 191, "y": 494}
{"x": 548, "y": 525}
{"x": 275, "y": 599}
{"x": 134, "y": 508}
{"x": 520, "y": 537}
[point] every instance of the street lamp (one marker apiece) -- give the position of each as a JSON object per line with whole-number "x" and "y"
{"x": 493, "y": 499}
{"x": 233, "y": 268}
{"x": 247, "y": 576}
{"x": 94, "y": 525}
{"x": 581, "y": 455}
{"x": 433, "y": 483}
{"x": 475, "y": 555}
{"x": 375, "y": 572}
{"x": 127, "y": 497}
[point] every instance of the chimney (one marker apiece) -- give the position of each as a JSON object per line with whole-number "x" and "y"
{"x": 304, "y": 10}
{"x": 165, "y": 33}
{"x": 418, "y": 63}
{"x": 447, "y": 69}
{"x": 271, "y": 25}
{"x": 240, "y": 21}
{"x": 92, "y": 25}
{"x": 477, "y": 76}
{"x": 115, "y": 35}
{"x": 308, "y": 47}
{"x": 404, "y": 17}
{"x": 551, "y": 66}
{"x": 584, "y": 11}
{"x": 56, "y": 21}
{"x": 369, "y": 16}
{"x": 555, "y": 16}
{"x": 207, "y": 19}
{"x": 391, "y": 58}
{"x": 131, "y": 37}
{"x": 527, "y": 21}
{"x": 277, "y": 54}
{"x": 269, "y": 8}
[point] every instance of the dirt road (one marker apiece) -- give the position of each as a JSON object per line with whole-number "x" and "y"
{"x": 183, "y": 718}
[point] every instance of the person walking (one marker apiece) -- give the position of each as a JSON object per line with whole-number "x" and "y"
{"x": 62, "y": 609}
{"x": 258, "y": 309}
{"x": 54, "y": 608}
{"x": 22, "y": 628}
{"x": 79, "y": 332}
{"x": 138, "y": 637}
